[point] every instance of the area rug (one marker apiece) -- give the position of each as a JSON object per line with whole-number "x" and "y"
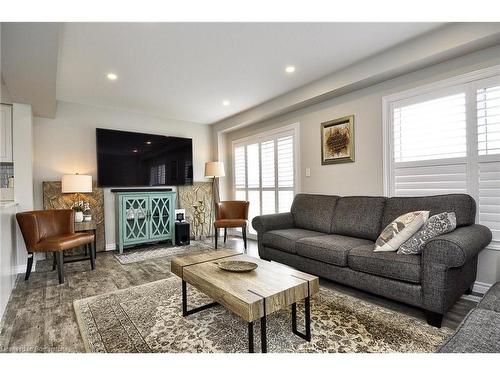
{"x": 147, "y": 318}
{"x": 161, "y": 252}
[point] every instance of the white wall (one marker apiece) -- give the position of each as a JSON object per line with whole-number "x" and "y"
{"x": 4, "y": 93}
{"x": 66, "y": 144}
{"x": 365, "y": 175}
{"x": 22, "y": 146}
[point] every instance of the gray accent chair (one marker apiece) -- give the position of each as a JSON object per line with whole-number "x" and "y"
{"x": 333, "y": 237}
{"x": 480, "y": 330}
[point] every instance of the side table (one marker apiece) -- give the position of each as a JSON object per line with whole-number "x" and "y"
{"x": 88, "y": 226}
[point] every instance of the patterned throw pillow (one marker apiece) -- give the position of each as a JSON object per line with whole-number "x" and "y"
{"x": 438, "y": 224}
{"x": 397, "y": 232}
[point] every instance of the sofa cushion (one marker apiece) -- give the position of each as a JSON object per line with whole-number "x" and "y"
{"x": 314, "y": 211}
{"x": 285, "y": 239}
{"x": 385, "y": 264}
{"x": 491, "y": 299}
{"x": 332, "y": 249}
{"x": 478, "y": 333}
{"x": 359, "y": 217}
{"x": 463, "y": 205}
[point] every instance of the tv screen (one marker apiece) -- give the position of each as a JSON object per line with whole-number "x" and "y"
{"x": 127, "y": 159}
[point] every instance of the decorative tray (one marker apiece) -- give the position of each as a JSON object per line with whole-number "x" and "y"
{"x": 236, "y": 266}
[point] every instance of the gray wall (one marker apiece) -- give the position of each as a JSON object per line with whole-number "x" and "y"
{"x": 66, "y": 145}
{"x": 365, "y": 176}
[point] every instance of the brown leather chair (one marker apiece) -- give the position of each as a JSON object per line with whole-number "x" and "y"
{"x": 231, "y": 214}
{"x": 52, "y": 231}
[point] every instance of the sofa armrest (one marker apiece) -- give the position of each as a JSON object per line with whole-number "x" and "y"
{"x": 265, "y": 223}
{"x": 456, "y": 248}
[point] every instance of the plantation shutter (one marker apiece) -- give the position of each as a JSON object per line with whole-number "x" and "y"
{"x": 286, "y": 175}
{"x": 264, "y": 172}
{"x": 430, "y": 146}
{"x": 488, "y": 147}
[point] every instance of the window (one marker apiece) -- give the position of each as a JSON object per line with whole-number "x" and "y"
{"x": 445, "y": 138}
{"x": 264, "y": 171}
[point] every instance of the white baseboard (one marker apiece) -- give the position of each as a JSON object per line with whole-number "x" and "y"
{"x": 22, "y": 268}
{"x": 481, "y": 287}
{"x": 110, "y": 246}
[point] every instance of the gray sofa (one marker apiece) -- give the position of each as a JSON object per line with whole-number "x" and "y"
{"x": 480, "y": 330}
{"x": 333, "y": 237}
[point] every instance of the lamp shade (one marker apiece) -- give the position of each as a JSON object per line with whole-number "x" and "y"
{"x": 76, "y": 183}
{"x": 214, "y": 169}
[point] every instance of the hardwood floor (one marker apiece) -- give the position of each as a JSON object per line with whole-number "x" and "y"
{"x": 40, "y": 317}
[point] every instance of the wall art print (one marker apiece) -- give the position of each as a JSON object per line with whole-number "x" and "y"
{"x": 337, "y": 141}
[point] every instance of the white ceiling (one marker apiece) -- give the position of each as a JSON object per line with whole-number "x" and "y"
{"x": 185, "y": 70}
{"x": 29, "y": 54}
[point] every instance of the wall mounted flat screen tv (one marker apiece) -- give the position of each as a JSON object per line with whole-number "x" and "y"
{"x": 127, "y": 159}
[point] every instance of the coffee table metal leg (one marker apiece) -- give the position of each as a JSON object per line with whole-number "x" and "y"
{"x": 185, "y": 311}
{"x": 306, "y": 336}
{"x": 250, "y": 337}
{"x": 263, "y": 334}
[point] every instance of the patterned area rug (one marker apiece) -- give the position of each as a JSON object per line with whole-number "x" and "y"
{"x": 161, "y": 252}
{"x": 147, "y": 318}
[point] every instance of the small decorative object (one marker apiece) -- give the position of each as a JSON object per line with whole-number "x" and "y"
{"x": 337, "y": 140}
{"x": 237, "y": 266}
{"x": 179, "y": 217}
{"x": 199, "y": 219}
{"x": 87, "y": 214}
{"x": 78, "y": 208}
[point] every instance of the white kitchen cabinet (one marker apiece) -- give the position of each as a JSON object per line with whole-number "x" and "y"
{"x": 6, "y": 133}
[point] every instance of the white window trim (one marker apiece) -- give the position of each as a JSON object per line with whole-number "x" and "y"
{"x": 472, "y": 80}
{"x": 295, "y": 129}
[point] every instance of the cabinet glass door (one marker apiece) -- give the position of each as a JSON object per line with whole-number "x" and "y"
{"x": 159, "y": 223}
{"x": 135, "y": 226}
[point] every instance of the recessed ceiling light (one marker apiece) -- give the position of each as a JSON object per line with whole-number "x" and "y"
{"x": 112, "y": 76}
{"x": 135, "y": 150}
{"x": 226, "y": 102}
{"x": 148, "y": 142}
{"x": 290, "y": 69}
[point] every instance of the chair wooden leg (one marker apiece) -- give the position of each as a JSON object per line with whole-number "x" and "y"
{"x": 216, "y": 236}
{"x": 54, "y": 261}
{"x": 245, "y": 237}
{"x": 29, "y": 266}
{"x": 60, "y": 266}
{"x": 92, "y": 254}
{"x": 225, "y": 235}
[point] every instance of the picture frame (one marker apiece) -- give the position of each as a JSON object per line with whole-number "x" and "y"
{"x": 337, "y": 141}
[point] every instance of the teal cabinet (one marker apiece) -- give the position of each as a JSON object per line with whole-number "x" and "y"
{"x": 144, "y": 217}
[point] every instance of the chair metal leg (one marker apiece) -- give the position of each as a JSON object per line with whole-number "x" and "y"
{"x": 245, "y": 237}
{"x": 29, "y": 266}
{"x": 60, "y": 266}
{"x": 225, "y": 235}
{"x": 216, "y": 236}
{"x": 54, "y": 261}
{"x": 92, "y": 254}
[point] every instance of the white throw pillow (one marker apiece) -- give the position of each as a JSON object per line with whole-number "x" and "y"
{"x": 401, "y": 229}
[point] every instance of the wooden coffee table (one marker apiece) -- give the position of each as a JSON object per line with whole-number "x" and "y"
{"x": 250, "y": 295}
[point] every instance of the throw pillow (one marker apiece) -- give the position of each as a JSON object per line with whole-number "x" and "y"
{"x": 438, "y": 224}
{"x": 401, "y": 229}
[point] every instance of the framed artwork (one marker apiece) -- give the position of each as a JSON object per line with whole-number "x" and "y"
{"x": 337, "y": 141}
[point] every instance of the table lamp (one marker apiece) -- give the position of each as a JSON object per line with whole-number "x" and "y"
{"x": 77, "y": 184}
